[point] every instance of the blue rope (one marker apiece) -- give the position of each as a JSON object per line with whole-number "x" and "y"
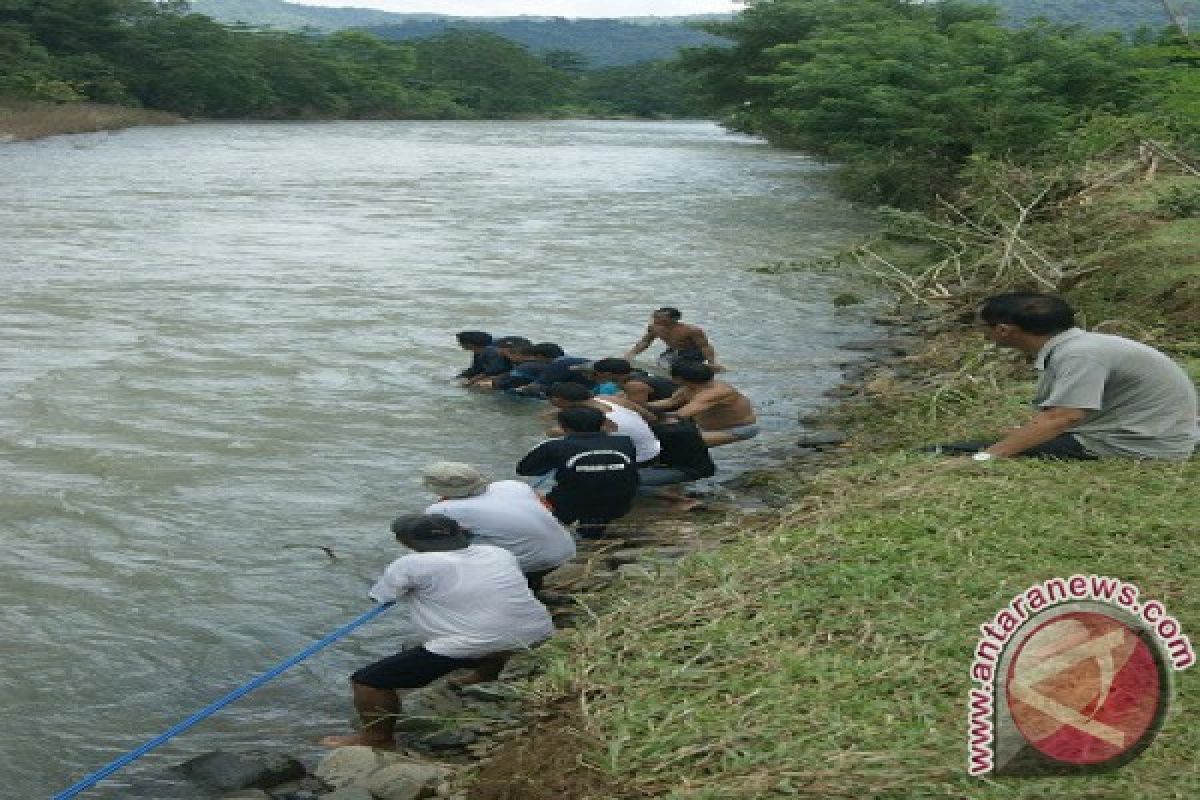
{"x": 209, "y": 710}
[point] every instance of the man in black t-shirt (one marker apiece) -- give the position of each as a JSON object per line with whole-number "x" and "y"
{"x": 595, "y": 473}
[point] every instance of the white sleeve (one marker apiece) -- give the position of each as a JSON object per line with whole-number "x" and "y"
{"x": 397, "y": 580}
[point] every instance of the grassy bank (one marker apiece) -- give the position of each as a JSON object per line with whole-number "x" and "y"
{"x": 21, "y": 121}
{"x": 824, "y": 650}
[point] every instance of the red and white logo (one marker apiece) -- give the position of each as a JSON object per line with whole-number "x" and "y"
{"x": 1084, "y": 688}
{"x": 1073, "y": 675}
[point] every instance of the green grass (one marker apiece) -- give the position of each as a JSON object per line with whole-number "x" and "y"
{"x": 827, "y": 654}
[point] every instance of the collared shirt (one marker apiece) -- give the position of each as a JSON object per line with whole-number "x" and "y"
{"x": 1141, "y": 403}
{"x": 510, "y": 515}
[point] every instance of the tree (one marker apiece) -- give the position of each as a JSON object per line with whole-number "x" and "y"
{"x": 490, "y": 74}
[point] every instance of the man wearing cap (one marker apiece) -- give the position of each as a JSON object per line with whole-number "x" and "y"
{"x": 518, "y": 374}
{"x": 558, "y": 368}
{"x": 470, "y": 606}
{"x": 506, "y": 514}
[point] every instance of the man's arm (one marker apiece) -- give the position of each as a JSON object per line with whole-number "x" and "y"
{"x": 397, "y": 580}
{"x": 625, "y": 402}
{"x": 702, "y": 402}
{"x": 641, "y": 344}
{"x": 674, "y": 401}
{"x": 637, "y": 392}
{"x": 700, "y": 340}
{"x": 538, "y": 461}
{"x": 1044, "y": 426}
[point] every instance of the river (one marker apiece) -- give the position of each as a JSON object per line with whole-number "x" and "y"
{"x": 224, "y": 345}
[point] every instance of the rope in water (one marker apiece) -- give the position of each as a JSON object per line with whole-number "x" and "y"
{"x": 212, "y": 708}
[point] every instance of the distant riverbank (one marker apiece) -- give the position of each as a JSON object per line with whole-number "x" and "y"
{"x": 20, "y": 121}
{"x": 23, "y": 120}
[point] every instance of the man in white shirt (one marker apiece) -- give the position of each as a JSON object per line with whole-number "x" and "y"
{"x": 507, "y": 514}
{"x": 626, "y": 418}
{"x": 470, "y": 606}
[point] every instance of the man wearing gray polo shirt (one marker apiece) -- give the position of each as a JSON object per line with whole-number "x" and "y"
{"x": 1098, "y": 395}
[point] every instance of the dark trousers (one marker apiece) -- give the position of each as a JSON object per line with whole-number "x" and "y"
{"x": 535, "y": 579}
{"x": 592, "y": 519}
{"x": 1063, "y": 447}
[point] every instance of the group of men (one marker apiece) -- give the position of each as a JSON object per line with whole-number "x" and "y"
{"x": 479, "y": 553}
{"x": 481, "y": 550}
{"x": 617, "y": 430}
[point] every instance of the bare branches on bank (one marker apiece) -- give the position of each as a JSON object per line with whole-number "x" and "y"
{"x": 1016, "y": 227}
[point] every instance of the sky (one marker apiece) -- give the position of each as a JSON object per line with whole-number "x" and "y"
{"x": 543, "y": 8}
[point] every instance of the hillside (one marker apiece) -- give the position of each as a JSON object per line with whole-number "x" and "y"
{"x": 601, "y": 42}
{"x": 1101, "y": 15}
{"x": 278, "y": 14}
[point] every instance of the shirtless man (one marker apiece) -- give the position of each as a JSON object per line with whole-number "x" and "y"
{"x": 723, "y": 414}
{"x": 684, "y": 342}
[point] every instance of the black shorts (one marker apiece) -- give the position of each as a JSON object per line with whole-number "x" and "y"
{"x": 410, "y": 669}
{"x": 567, "y": 512}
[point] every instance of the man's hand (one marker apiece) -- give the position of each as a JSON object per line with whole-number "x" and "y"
{"x": 1044, "y": 426}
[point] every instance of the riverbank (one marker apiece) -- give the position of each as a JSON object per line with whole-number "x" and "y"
{"x": 823, "y": 649}
{"x": 22, "y": 121}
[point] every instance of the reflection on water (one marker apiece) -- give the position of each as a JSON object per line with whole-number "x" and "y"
{"x": 223, "y": 344}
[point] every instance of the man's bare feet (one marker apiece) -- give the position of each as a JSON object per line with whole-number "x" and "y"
{"x": 359, "y": 740}
{"x": 686, "y": 504}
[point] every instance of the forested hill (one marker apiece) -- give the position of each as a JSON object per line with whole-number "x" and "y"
{"x": 293, "y": 16}
{"x": 1099, "y": 15}
{"x": 600, "y": 42}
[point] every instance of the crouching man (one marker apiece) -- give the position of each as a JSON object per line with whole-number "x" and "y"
{"x": 595, "y": 473}
{"x": 471, "y": 607}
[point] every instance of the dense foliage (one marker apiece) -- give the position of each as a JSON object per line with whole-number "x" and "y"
{"x": 157, "y": 54}
{"x": 905, "y": 95}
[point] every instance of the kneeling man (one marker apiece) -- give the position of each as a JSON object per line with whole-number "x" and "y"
{"x": 1098, "y": 395}
{"x": 595, "y": 473}
{"x": 723, "y": 414}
